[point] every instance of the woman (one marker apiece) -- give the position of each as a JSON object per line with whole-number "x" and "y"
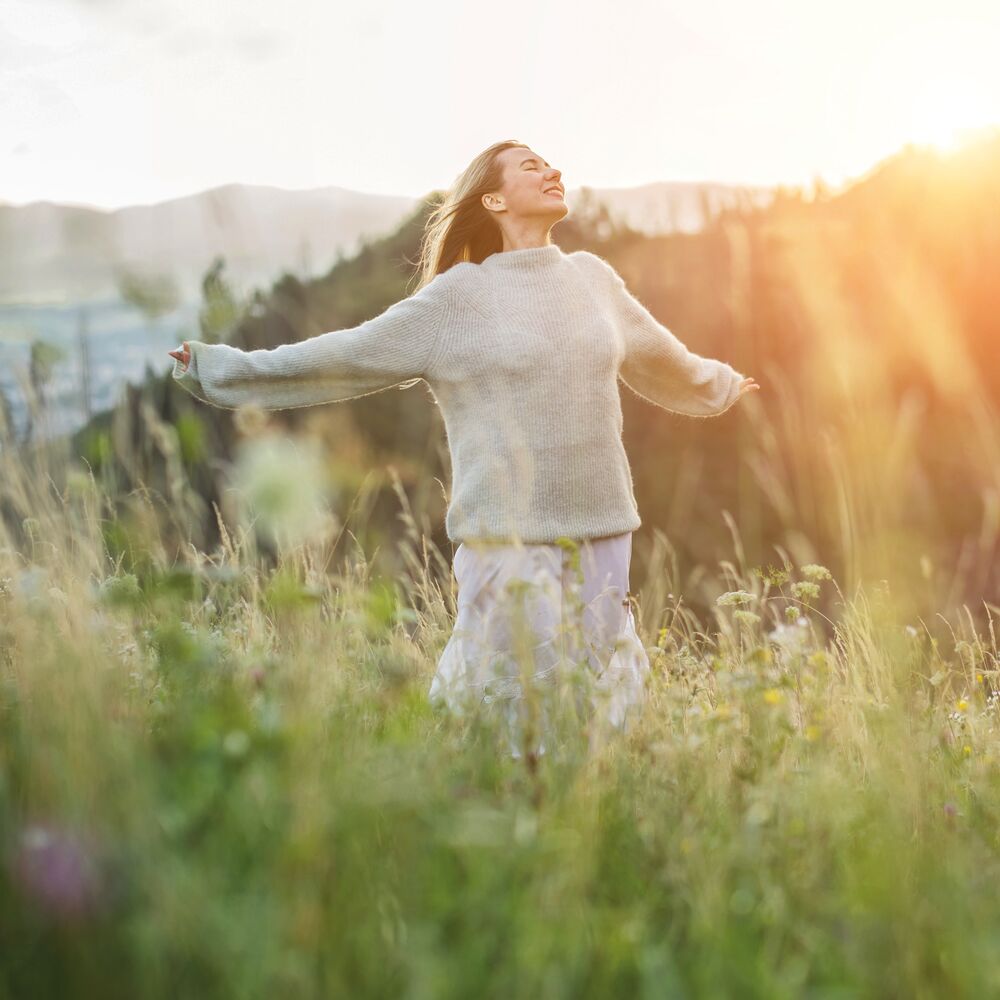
{"x": 522, "y": 346}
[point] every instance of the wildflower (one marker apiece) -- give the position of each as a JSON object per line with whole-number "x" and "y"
{"x": 774, "y": 575}
{"x": 967, "y": 750}
{"x": 283, "y": 485}
{"x": 58, "y": 870}
{"x": 748, "y": 618}
{"x": 129, "y": 651}
{"x": 812, "y": 733}
{"x": 773, "y": 696}
{"x": 734, "y": 597}
{"x": 236, "y": 743}
{"x": 814, "y": 572}
{"x": 805, "y": 591}
{"x": 962, "y": 705}
{"x": 950, "y": 810}
{"x": 791, "y": 639}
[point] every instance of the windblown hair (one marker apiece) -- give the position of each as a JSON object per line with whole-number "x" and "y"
{"x": 460, "y": 228}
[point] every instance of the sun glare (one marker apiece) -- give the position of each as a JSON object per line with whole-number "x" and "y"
{"x": 931, "y": 81}
{"x": 947, "y": 111}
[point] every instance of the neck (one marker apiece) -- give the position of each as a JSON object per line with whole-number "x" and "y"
{"x": 527, "y": 258}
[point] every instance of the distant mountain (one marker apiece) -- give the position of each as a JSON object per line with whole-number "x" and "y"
{"x": 52, "y": 253}
{"x": 68, "y": 253}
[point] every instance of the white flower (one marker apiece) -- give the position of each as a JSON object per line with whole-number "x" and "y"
{"x": 813, "y": 572}
{"x": 734, "y": 597}
{"x": 792, "y": 639}
{"x": 283, "y": 487}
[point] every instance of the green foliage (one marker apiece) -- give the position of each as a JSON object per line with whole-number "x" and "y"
{"x": 96, "y": 448}
{"x": 286, "y": 592}
{"x": 222, "y": 308}
{"x": 44, "y": 358}
{"x": 121, "y": 591}
{"x": 239, "y": 780}
{"x": 127, "y": 545}
{"x": 191, "y": 438}
{"x": 152, "y": 295}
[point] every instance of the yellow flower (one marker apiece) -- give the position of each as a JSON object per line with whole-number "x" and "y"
{"x": 812, "y": 733}
{"x": 967, "y": 750}
{"x": 979, "y": 678}
{"x": 773, "y": 696}
{"x": 962, "y": 705}
{"x": 723, "y": 711}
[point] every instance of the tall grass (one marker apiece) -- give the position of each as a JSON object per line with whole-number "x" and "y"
{"x": 220, "y": 776}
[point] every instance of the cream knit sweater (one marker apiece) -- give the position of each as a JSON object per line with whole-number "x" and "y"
{"x": 522, "y": 354}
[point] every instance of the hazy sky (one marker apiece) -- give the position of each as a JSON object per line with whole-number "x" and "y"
{"x": 114, "y": 102}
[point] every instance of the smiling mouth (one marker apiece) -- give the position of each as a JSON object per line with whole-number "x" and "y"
{"x": 555, "y": 191}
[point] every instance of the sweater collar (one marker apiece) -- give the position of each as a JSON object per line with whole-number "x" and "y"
{"x": 529, "y": 259}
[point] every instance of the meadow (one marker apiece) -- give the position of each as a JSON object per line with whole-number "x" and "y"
{"x": 220, "y": 776}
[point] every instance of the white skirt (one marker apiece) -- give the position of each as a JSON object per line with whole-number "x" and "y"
{"x": 526, "y": 611}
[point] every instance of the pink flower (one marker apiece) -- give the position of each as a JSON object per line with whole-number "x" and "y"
{"x": 58, "y": 871}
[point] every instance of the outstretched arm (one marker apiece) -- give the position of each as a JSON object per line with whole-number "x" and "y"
{"x": 394, "y": 347}
{"x": 659, "y": 367}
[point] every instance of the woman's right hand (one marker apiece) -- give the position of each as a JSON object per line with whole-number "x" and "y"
{"x": 182, "y": 354}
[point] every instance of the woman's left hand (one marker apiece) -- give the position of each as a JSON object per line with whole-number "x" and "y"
{"x": 182, "y": 354}
{"x": 747, "y": 385}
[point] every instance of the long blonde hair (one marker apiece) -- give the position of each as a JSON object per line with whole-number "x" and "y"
{"x": 460, "y": 228}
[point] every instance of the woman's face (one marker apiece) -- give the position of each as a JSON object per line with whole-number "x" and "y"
{"x": 531, "y": 188}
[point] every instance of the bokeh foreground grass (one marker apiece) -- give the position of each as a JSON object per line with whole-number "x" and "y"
{"x": 220, "y": 776}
